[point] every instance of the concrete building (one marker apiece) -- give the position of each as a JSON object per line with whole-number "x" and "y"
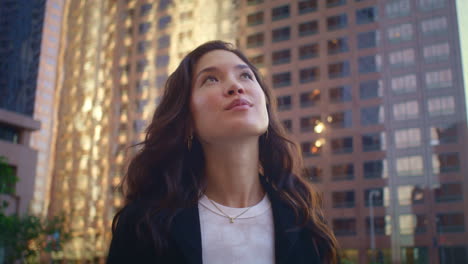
{"x": 20, "y": 44}
{"x": 373, "y": 92}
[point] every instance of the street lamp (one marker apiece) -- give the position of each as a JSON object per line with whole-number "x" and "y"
{"x": 372, "y": 193}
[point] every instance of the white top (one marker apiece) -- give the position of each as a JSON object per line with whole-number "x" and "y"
{"x": 250, "y": 239}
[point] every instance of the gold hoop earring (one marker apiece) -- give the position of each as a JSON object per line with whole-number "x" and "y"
{"x": 189, "y": 142}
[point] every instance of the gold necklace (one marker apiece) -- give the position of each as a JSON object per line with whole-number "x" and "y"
{"x": 231, "y": 219}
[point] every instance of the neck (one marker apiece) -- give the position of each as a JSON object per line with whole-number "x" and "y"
{"x": 231, "y": 173}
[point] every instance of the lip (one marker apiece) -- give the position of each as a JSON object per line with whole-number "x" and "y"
{"x": 238, "y": 102}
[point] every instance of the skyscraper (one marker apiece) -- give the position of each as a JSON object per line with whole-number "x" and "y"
{"x": 373, "y": 92}
{"x": 20, "y": 44}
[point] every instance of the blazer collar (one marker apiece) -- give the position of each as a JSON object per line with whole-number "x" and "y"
{"x": 186, "y": 228}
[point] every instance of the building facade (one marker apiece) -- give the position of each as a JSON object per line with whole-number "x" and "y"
{"x": 373, "y": 92}
{"x": 20, "y": 45}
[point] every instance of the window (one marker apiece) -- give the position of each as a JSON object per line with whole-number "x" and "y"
{"x": 445, "y": 162}
{"x": 342, "y": 145}
{"x": 370, "y": 89}
{"x": 380, "y": 197}
{"x": 164, "y": 4}
{"x": 343, "y": 199}
{"x": 374, "y": 169}
{"x": 164, "y": 42}
{"x": 397, "y": 8}
{"x": 255, "y": 40}
{"x": 404, "y": 84}
{"x": 452, "y": 254}
{"x": 338, "y": 70}
{"x": 414, "y": 255}
{"x": 142, "y": 46}
{"x": 368, "y": 39}
{"x": 340, "y": 119}
{"x": 281, "y": 79}
{"x": 258, "y": 61}
{"x": 408, "y": 138}
{"x": 308, "y": 123}
{"x": 9, "y": 133}
{"x": 411, "y": 224}
{"x": 372, "y": 115}
{"x": 401, "y": 58}
{"x": 428, "y": 5}
{"x": 287, "y": 125}
{"x": 410, "y": 166}
{"x": 309, "y": 74}
{"x": 340, "y": 94}
{"x": 281, "y": 56}
{"x": 333, "y": 3}
{"x": 310, "y": 149}
{"x": 437, "y": 52}
{"x": 449, "y": 192}
{"x": 145, "y": 9}
{"x": 140, "y": 105}
{"x": 164, "y": 22}
{"x": 366, "y": 15}
{"x": 284, "y": 102}
{"x": 255, "y": 19}
{"x": 161, "y": 80}
{"x": 141, "y": 65}
{"x": 337, "y": 45}
{"x": 400, "y": 33}
{"x": 142, "y": 85}
{"x": 310, "y": 98}
{"x": 186, "y": 16}
{"x": 314, "y": 173}
{"x": 280, "y": 12}
{"x": 410, "y": 195}
{"x": 382, "y": 225}
{"x": 144, "y": 27}
{"x": 373, "y": 142}
{"x": 368, "y": 64}
{"x": 308, "y": 51}
{"x": 344, "y": 226}
{"x": 439, "y": 79}
{"x": 183, "y": 36}
{"x": 254, "y": 2}
{"x": 281, "y": 34}
{"x": 434, "y": 26}
{"x": 308, "y": 28}
{"x": 307, "y": 6}
{"x": 450, "y": 222}
{"x": 162, "y": 61}
{"x": 337, "y": 22}
{"x": 443, "y": 134}
{"x": 441, "y": 106}
{"x": 406, "y": 110}
{"x": 342, "y": 172}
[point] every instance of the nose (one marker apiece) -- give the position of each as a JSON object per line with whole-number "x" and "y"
{"x": 235, "y": 88}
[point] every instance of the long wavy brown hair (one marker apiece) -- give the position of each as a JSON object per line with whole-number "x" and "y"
{"x": 165, "y": 175}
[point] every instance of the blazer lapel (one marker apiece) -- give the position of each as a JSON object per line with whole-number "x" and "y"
{"x": 186, "y": 233}
{"x": 286, "y": 231}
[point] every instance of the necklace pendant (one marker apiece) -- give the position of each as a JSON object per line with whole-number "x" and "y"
{"x": 231, "y": 220}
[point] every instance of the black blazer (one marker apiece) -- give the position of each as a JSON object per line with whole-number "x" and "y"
{"x": 292, "y": 243}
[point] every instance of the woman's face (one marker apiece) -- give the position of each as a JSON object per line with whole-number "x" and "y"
{"x": 227, "y": 101}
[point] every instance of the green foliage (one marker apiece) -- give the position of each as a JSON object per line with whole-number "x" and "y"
{"x": 24, "y": 237}
{"x": 8, "y": 179}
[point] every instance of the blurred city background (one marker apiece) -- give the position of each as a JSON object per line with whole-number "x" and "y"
{"x": 373, "y": 91}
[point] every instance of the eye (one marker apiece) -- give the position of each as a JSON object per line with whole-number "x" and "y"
{"x": 246, "y": 75}
{"x": 209, "y": 79}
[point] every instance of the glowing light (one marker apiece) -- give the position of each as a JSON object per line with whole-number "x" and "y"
{"x": 319, "y": 128}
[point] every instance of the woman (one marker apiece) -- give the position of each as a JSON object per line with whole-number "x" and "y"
{"x": 216, "y": 180}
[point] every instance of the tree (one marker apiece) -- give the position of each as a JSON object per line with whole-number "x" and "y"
{"x": 24, "y": 237}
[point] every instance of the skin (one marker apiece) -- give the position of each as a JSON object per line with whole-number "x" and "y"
{"x": 229, "y": 138}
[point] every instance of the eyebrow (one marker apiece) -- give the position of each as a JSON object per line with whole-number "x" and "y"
{"x": 213, "y": 69}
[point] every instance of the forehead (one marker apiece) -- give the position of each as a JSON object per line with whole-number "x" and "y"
{"x": 217, "y": 58}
